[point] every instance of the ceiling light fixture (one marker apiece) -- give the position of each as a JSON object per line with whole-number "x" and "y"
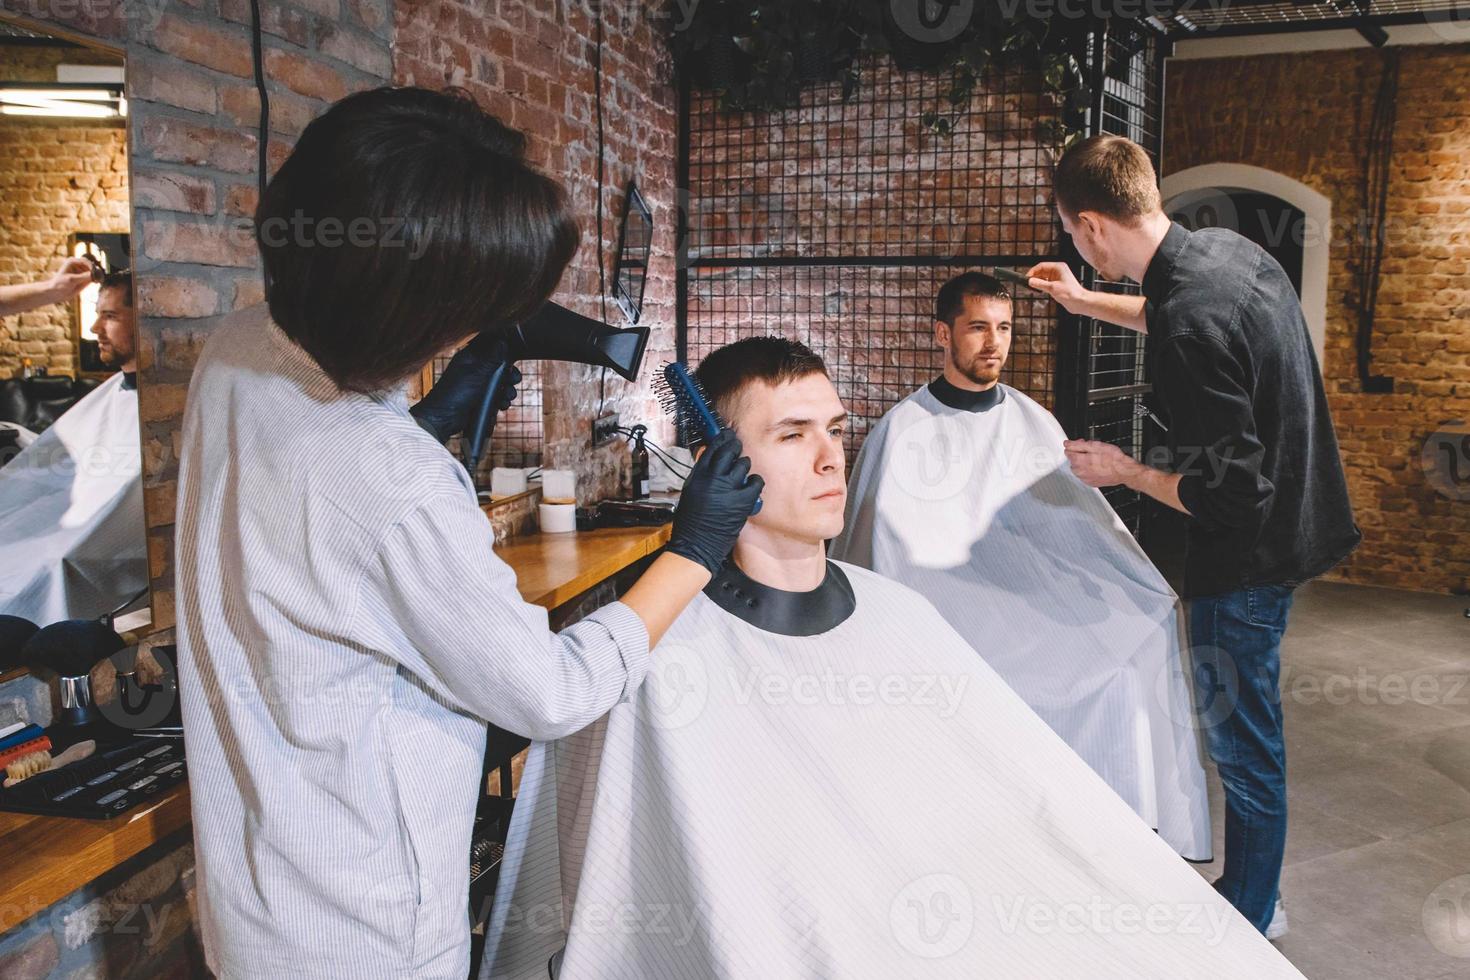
{"x": 87, "y": 101}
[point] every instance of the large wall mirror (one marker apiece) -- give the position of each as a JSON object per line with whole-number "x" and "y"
{"x": 72, "y": 538}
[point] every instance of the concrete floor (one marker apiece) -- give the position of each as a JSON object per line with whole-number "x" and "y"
{"x": 1376, "y": 694}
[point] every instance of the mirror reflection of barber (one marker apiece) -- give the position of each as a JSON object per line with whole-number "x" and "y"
{"x": 66, "y": 283}
{"x": 21, "y": 419}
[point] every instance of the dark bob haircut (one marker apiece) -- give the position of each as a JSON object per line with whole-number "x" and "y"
{"x": 726, "y": 372}
{"x": 950, "y": 302}
{"x": 403, "y": 222}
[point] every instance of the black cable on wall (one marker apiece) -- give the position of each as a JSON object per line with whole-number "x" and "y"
{"x": 263, "y": 139}
{"x": 263, "y": 148}
{"x": 1377, "y": 167}
{"x": 601, "y": 184}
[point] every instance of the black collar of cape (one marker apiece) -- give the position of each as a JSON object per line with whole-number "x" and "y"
{"x": 786, "y": 613}
{"x": 966, "y": 401}
{"x": 129, "y": 381}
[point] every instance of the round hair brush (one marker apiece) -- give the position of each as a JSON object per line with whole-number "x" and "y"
{"x": 683, "y": 400}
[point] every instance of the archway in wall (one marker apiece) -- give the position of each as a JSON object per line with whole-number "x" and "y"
{"x": 1284, "y": 216}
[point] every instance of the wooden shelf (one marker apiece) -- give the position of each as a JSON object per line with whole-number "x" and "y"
{"x": 48, "y": 858}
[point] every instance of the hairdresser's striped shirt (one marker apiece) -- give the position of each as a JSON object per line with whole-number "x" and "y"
{"x": 345, "y": 630}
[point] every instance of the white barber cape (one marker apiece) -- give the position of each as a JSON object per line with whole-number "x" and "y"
{"x": 870, "y": 802}
{"x": 981, "y": 513}
{"x": 71, "y": 513}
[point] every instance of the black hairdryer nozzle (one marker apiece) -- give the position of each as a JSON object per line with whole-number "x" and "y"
{"x": 555, "y": 333}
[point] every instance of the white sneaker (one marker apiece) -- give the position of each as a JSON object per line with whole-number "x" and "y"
{"x": 1277, "y": 926}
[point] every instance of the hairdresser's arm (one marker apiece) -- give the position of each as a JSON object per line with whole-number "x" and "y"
{"x": 661, "y": 594}
{"x": 1057, "y": 281}
{"x": 438, "y": 600}
{"x": 68, "y": 281}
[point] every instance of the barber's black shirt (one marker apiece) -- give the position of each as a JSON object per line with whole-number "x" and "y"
{"x": 1237, "y": 379}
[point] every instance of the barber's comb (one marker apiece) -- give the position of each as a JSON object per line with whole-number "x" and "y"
{"x": 684, "y": 401}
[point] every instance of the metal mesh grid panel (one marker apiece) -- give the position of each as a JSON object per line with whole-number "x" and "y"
{"x": 1132, "y": 104}
{"x": 1115, "y": 420}
{"x": 518, "y": 432}
{"x": 874, "y": 326}
{"x": 837, "y": 222}
{"x": 1129, "y": 92}
{"x": 865, "y": 178}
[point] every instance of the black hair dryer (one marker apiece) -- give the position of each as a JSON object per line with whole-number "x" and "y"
{"x": 555, "y": 333}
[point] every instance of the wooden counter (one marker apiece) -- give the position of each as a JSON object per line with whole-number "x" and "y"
{"x": 552, "y": 569}
{"x": 47, "y": 858}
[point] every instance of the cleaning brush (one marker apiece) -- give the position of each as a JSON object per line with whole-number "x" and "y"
{"x": 27, "y": 766}
{"x": 18, "y": 751}
{"x": 39, "y": 762}
{"x": 683, "y": 399}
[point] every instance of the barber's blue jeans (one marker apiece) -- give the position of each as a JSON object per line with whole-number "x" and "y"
{"x": 1236, "y": 645}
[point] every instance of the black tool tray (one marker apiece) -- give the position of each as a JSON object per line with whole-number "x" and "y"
{"x": 126, "y": 770}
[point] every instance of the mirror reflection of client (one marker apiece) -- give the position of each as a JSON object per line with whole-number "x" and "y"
{"x": 71, "y": 503}
{"x": 820, "y": 778}
{"x": 963, "y": 492}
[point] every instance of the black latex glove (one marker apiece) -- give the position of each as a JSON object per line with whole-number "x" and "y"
{"x": 450, "y": 406}
{"x": 718, "y": 496}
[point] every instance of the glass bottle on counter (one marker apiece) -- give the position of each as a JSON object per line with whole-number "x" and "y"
{"x": 640, "y": 463}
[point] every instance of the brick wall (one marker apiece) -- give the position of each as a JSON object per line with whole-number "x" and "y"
{"x": 133, "y": 923}
{"x": 530, "y": 62}
{"x": 1414, "y": 536}
{"x": 192, "y": 130}
{"x": 57, "y": 176}
{"x": 861, "y": 177}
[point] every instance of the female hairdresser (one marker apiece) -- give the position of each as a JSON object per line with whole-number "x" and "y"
{"x": 345, "y": 628}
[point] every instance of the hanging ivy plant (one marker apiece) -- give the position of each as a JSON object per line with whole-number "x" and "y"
{"x": 760, "y": 55}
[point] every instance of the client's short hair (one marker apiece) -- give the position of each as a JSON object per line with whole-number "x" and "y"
{"x": 120, "y": 279}
{"x": 950, "y": 302}
{"x": 1111, "y": 175}
{"x": 403, "y": 221}
{"x": 726, "y": 372}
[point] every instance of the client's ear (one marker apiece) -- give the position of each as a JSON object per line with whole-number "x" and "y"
{"x": 941, "y": 333}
